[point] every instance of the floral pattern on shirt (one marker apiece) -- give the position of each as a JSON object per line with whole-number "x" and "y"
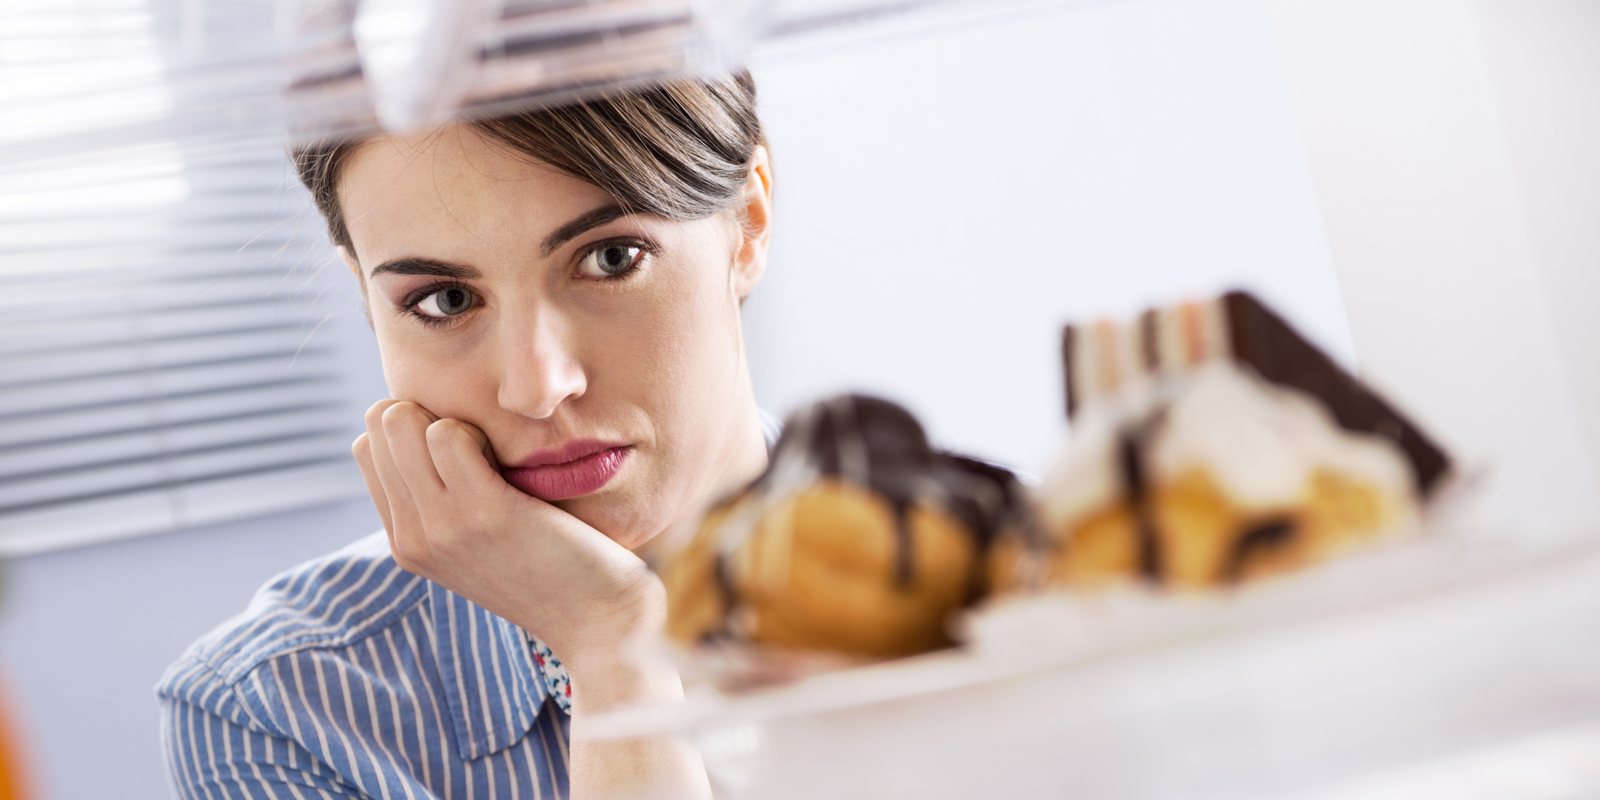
{"x": 555, "y": 675}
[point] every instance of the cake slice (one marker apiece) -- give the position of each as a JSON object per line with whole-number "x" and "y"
{"x": 1213, "y": 444}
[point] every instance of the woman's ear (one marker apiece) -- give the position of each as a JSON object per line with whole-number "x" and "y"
{"x": 754, "y": 214}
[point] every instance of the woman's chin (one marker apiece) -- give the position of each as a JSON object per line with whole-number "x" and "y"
{"x": 629, "y": 537}
{"x": 603, "y": 515}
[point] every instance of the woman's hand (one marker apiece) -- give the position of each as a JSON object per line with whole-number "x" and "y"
{"x": 453, "y": 519}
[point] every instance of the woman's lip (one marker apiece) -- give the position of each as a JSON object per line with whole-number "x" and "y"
{"x": 567, "y": 453}
{"x": 574, "y": 477}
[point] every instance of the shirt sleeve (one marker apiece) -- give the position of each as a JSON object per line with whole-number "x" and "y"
{"x": 213, "y": 758}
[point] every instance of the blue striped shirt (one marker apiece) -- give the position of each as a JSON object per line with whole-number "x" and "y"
{"x": 350, "y": 677}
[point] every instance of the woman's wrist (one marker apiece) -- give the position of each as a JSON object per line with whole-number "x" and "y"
{"x": 601, "y": 685}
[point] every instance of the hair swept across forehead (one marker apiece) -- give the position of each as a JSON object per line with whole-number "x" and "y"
{"x": 680, "y": 148}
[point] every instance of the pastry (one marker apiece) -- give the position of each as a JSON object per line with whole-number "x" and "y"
{"x": 1213, "y": 444}
{"x": 858, "y": 539}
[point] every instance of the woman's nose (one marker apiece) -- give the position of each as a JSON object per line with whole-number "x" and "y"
{"x": 541, "y": 370}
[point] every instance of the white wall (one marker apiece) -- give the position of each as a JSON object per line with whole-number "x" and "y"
{"x": 946, "y": 202}
{"x": 1545, "y": 60}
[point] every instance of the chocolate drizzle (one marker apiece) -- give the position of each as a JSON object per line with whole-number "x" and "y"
{"x": 988, "y": 500}
{"x": 730, "y": 598}
{"x": 1265, "y": 536}
{"x": 879, "y": 445}
{"x": 1130, "y": 457}
{"x": 1069, "y": 359}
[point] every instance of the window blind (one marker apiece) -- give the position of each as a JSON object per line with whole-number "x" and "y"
{"x": 166, "y": 352}
{"x": 164, "y": 360}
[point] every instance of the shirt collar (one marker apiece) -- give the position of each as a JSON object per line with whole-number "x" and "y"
{"x": 490, "y": 681}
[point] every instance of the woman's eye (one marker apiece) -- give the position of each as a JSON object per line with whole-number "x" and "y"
{"x": 610, "y": 259}
{"x": 445, "y": 302}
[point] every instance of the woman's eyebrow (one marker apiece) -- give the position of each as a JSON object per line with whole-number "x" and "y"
{"x": 571, "y": 230}
{"x": 426, "y": 266}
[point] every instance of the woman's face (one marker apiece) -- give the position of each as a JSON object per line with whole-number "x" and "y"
{"x": 599, "y": 351}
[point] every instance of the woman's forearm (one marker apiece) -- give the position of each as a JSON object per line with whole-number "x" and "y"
{"x": 665, "y": 768}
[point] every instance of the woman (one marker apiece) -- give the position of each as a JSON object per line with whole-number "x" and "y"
{"x": 556, "y": 297}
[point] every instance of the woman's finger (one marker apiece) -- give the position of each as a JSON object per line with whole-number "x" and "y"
{"x": 405, "y": 426}
{"x": 404, "y": 522}
{"x": 462, "y": 456}
{"x": 362, "y": 450}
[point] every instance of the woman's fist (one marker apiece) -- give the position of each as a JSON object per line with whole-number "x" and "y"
{"x": 453, "y": 519}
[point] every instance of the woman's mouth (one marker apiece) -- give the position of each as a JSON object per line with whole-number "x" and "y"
{"x": 574, "y": 470}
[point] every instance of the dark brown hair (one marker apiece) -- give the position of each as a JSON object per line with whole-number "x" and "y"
{"x": 680, "y": 149}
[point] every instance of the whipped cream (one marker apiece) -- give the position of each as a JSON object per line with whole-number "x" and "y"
{"x": 1261, "y": 442}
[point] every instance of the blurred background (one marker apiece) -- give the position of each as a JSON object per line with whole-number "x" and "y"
{"x": 183, "y": 363}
